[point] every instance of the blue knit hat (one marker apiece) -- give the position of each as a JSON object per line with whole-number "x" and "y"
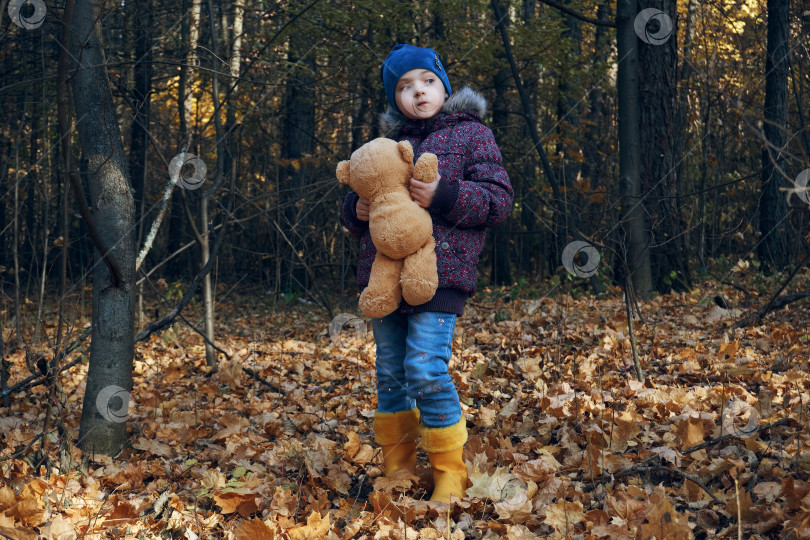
{"x": 404, "y": 58}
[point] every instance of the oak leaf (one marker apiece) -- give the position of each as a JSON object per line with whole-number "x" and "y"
{"x": 488, "y": 486}
{"x": 517, "y": 509}
{"x": 255, "y": 529}
{"x": 315, "y": 529}
{"x": 662, "y": 520}
{"x": 564, "y": 515}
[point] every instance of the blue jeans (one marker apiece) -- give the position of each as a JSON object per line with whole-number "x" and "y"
{"x": 412, "y": 356}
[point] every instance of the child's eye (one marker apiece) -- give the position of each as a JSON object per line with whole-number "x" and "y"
{"x": 429, "y": 81}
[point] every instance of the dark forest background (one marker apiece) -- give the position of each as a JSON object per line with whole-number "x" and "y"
{"x": 298, "y": 90}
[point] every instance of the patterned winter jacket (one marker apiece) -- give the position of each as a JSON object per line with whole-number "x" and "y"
{"x": 473, "y": 193}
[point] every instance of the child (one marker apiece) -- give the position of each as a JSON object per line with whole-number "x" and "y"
{"x": 414, "y": 344}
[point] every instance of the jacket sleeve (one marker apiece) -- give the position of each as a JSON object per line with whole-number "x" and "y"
{"x": 356, "y": 226}
{"x": 483, "y": 197}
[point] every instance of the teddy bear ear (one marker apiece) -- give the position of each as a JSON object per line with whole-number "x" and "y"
{"x": 406, "y": 150}
{"x": 342, "y": 172}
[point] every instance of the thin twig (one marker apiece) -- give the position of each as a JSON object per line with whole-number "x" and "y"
{"x": 272, "y": 387}
{"x": 712, "y": 442}
{"x": 646, "y": 469}
{"x": 169, "y": 318}
{"x": 773, "y": 303}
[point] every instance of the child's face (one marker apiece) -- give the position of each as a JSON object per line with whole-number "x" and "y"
{"x": 419, "y": 94}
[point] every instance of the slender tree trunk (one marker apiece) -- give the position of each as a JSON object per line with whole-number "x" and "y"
{"x": 141, "y": 98}
{"x": 109, "y": 379}
{"x": 636, "y": 256}
{"x": 594, "y": 167}
{"x": 661, "y": 132}
{"x": 225, "y": 150}
{"x": 233, "y": 82}
{"x": 187, "y": 73}
{"x": 5, "y": 182}
{"x": 205, "y": 248}
{"x": 185, "y": 101}
{"x": 15, "y": 248}
{"x": 44, "y": 270}
{"x": 500, "y": 273}
{"x": 529, "y": 260}
{"x": 299, "y": 128}
{"x": 773, "y": 249}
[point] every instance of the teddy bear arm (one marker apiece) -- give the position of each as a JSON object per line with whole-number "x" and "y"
{"x": 420, "y": 277}
{"x": 382, "y": 295}
{"x": 426, "y": 168}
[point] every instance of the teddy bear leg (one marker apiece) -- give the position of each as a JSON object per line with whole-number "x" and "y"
{"x": 382, "y": 295}
{"x": 419, "y": 275}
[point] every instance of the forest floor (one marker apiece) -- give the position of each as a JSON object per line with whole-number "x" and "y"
{"x": 564, "y": 442}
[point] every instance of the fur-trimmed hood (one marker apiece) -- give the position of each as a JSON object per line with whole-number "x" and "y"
{"x": 467, "y": 99}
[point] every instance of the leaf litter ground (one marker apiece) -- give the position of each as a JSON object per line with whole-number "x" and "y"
{"x": 564, "y": 442}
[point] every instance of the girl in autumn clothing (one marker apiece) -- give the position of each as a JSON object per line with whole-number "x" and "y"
{"x": 414, "y": 344}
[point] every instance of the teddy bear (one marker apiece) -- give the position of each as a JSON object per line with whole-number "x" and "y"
{"x": 402, "y": 231}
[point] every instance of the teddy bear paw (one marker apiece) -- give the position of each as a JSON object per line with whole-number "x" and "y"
{"x": 416, "y": 291}
{"x": 377, "y": 307}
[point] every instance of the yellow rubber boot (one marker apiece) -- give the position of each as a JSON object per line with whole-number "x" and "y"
{"x": 396, "y": 433}
{"x": 445, "y": 447}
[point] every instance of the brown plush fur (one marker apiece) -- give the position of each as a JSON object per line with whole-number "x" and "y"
{"x": 402, "y": 231}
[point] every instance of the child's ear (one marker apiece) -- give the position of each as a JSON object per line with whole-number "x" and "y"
{"x": 342, "y": 172}
{"x": 406, "y": 150}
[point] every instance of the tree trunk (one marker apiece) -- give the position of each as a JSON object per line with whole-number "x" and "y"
{"x": 500, "y": 273}
{"x": 299, "y": 128}
{"x": 595, "y": 147}
{"x": 773, "y": 249}
{"x": 635, "y": 252}
{"x": 109, "y": 379}
{"x": 569, "y": 225}
{"x": 185, "y": 101}
{"x": 141, "y": 99}
{"x": 529, "y": 260}
{"x": 661, "y": 132}
{"x": 191, "y": 31}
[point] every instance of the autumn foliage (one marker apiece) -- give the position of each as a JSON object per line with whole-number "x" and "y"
{"x": 564, "y": 441}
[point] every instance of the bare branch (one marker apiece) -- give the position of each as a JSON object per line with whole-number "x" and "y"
{"x": 577, "y": 15}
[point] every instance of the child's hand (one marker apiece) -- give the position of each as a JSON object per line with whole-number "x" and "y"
{"x": 362, "y": 209}
{"x": 422, "y": 193}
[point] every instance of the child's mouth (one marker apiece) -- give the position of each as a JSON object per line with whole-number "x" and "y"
{"x": 421, "y": 103}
